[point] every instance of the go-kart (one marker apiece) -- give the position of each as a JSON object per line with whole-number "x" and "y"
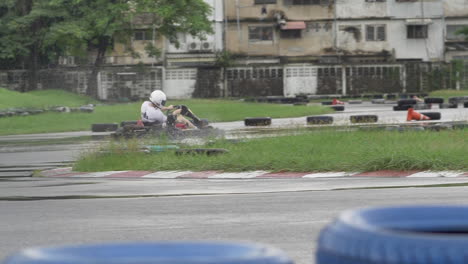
{"x": 171, "y": 128}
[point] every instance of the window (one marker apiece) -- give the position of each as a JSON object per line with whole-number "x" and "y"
{"x": 142, "y": 35}
{"x": 452, "y": 32}
{"x": 260, "y": 34}
{"x": 262, "y": 2}
{"x": 416, "y": 31}
{"x": 291, "y": 34}
{"x": 311, "y": 2}
{"x": 375, "y": 33}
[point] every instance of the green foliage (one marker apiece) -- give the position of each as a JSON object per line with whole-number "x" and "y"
{"x": 315, "y": 151}
{"x": 463, "y": 31}
{"x": 448, "y": 93}
{"x": 224, "y": 59}
{"x": 39, "y": 31}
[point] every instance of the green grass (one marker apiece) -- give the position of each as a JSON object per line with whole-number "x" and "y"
{"x": 448, "y": 93}
{"x": 314, "y": 151}
{"x": 215, "y": 110}
{"x": 41, "y": 99}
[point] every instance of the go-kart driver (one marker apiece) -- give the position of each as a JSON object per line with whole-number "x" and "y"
{"x": 151, "y": 112}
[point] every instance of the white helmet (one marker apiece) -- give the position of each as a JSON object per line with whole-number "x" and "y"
{"x": 158, "y": 98}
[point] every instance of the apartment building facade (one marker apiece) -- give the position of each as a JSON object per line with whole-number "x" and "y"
{"x": 291, "y": 47}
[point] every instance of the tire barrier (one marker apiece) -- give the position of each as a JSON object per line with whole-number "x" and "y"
{"x": 433, "y": 115}
{"x": 319, "y": 120}
{"x": 355, "y": 102}
{"x": 184, "y": 252}
{"x": 364, "y": 119}
{"x": 458, "y": 100}
{"x": 337, "y": 107}
{"x": 126, "y": 123}
{"x": 327, "y": 103}
{"x": 432, "y": 100}
{"x": 104, "y": 127}
{"x": 400, "y": 235}
{"x": 406, "y": 102}
{"x": 257, "y": 121}
{"x": 453, "y": 100}
{"x": 401, "y": 107}
{"x": 201, "y": 151}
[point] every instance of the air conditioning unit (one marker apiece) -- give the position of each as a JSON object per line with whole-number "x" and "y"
{"x": 207, "y": 46}
{"x": 193, "y": 46}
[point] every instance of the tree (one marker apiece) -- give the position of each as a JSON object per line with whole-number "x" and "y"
{"x": 94, "y": 25}
{"x": 24, "y": 26}
{"x": 35, "y": 32}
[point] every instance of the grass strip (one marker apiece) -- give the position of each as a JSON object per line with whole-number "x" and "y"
{"x": 313, "y": 151}
{"x": 42, "y": 99}
{"x": 448, "y": 93}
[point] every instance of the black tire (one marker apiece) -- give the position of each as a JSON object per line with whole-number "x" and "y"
{"x": 104, "y": 127}
{"x": 327, "y": 103}
{"x": 400, "y": 235}
{"x": 319, "y": 120}
{"x": 337, "y": 107}
{"x": 126, "y": 123}
{"x": 465, "y": 104}
{"x": 364, "y": 119}
{"x": 402, "y": 107}
{"x": 406, "y": 102}
{"x": 453, "y": 100}
{"x": 432, "y": 115}
{"x": 257, "y": 121}
{"x": 201, "y": 151}
{"x": 432, "y": 100}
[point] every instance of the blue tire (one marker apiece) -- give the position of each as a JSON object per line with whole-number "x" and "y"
{"x": 157, "y": 253}
{"x": 397, "y": 235}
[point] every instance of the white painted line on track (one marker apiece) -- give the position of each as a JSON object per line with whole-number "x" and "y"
{"x": 434, "y": 174}
{"x": 96, "y": 174}
{"x": 329, "y": 174}
{"x": 166, "y": 174}
{"x": 238, "y": 175}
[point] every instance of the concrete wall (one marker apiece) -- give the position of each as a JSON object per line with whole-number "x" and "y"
{"x": 429, "y": 49}
{"x": 247, "y": 9}
{"x": 317, "y": 39}
{"x": 346, "y": 9}
{"x": 456, "y": 8}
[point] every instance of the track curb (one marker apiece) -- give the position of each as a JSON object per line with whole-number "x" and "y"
{"x": 69, "y": 173}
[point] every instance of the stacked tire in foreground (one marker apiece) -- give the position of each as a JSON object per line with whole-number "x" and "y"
{"x": 154, "y": 252}
{"x": 400, "y": 235}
